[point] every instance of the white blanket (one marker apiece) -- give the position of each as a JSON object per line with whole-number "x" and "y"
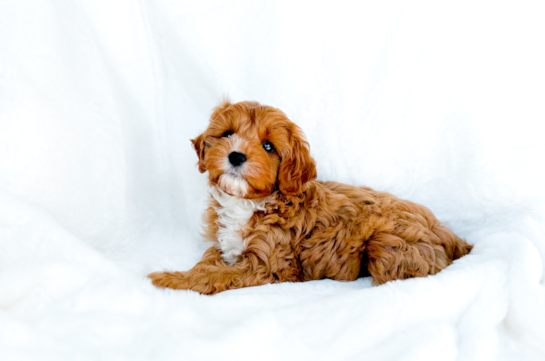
{"x": 439, "y": 104}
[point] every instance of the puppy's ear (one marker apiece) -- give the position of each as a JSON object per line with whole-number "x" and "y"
{"x": 297, "y": 167}
{"x": 198, "y": 144}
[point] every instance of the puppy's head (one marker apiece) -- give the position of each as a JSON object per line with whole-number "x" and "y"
{"x": 251, "y": 150}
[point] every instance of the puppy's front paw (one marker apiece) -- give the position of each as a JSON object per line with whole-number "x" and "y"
{"x": 175, "y": 280}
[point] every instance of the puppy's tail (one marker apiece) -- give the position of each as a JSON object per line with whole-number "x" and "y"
{"x": 454, "y": 245}
{"x": 462, "y": 248}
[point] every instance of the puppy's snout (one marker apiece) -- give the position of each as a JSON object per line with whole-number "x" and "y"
{"x": 236, "y": 158}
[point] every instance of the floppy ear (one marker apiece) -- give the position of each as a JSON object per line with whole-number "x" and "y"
{"x": 297, "y": 167}
{"x": 198, "y": 144}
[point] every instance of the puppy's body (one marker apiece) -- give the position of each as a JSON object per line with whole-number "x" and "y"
{"x": 294, "y": 228}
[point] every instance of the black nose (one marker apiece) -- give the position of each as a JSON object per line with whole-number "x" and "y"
{"x": 236, "y": 158}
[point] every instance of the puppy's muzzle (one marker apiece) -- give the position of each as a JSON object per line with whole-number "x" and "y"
{"x": 236, "y": 158}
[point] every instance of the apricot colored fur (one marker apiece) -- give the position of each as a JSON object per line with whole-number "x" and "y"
{"x": 309, "y": 229}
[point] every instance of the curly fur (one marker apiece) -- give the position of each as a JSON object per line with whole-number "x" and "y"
{"x": 291, "y": 227}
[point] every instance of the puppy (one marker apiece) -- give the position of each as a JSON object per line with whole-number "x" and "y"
{"x": 271, "y": 221}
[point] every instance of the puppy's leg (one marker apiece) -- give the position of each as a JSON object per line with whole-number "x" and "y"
{"x": 416, "y": 252}
{"x": 179, "y": 280}
{"x": 391, "y": 258}
{"x": 213, "y": 275}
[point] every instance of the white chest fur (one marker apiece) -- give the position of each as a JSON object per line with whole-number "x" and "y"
{"x": 233, "y": 213}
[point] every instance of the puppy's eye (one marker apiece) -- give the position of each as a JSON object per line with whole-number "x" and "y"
{"x": 227, "y": 134}
{"x": 269, "y": 148}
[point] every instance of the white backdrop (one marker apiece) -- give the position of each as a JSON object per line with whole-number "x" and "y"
{"x": 440, "y": 104}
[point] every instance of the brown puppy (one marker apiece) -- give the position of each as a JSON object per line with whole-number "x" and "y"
{"x": 271, "y": 221}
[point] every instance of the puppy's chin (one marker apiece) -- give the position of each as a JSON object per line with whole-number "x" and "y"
{"x": 233, "y": 185}
{"x": 236, "y": 185}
